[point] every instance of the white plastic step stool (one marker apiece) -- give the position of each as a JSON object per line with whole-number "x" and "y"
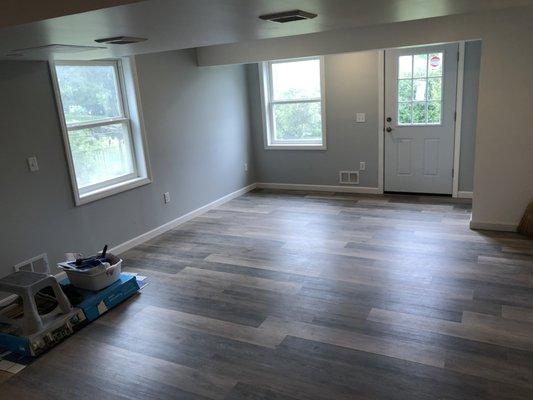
{"x": 26, "y": 284}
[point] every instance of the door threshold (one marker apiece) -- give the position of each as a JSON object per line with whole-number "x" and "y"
{"x": 420, "y": 194}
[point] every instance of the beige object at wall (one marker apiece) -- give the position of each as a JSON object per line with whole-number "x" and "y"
{"x": 526, "y": 225}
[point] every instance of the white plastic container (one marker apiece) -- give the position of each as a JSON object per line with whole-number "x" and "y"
{"x": 95, "y": 278}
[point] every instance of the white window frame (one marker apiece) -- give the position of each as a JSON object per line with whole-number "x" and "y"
{"x": 265, "y": 74}
{"x": 130, "y": 107}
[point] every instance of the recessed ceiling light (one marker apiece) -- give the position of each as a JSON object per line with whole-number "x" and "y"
{"x": 288, "y": 16}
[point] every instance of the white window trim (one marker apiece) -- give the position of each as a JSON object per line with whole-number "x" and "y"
{"x": 131, "y": 110}
{"x": 266, "y": 108}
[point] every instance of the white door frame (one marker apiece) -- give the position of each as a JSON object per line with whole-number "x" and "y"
{"x": 458, "y": 119}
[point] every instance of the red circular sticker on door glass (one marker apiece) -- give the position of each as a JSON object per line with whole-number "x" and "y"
{"x": 434, "y": 61}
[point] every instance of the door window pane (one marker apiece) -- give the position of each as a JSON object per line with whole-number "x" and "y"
{"x": 420, "y": 65}
{"x": 435, "y": 64}
{"x": 434, "y": 112}
{"x": 298, "y": 121}
{"x": 405, "y": 90}
{"x": 419, "y": 113}
{"x": 101, "y": 153}
{"x": 435, "y": 89}
{"x": 419, "y": 88}
{"x": 405, "y": 113}
{"x": 88, "y": 92}
{"x": 405, "y": 67}
{"x": 296, "y": 80}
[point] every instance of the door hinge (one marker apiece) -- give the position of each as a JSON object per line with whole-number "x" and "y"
{"x": 458, "y": 56}
{"x": 455, "y": 116}
{"x": 453, "y": 171}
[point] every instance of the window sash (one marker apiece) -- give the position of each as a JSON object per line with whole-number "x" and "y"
{"x": 295, "y": 142}
{"x": 123, "y": 119}
{"x": 270, "y": 102}
{"x": 83, "y": 190}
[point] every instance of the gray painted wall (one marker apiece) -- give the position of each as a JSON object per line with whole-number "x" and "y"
{"x": 198, "y": 140}
{"x": 352, "y": 87}
{"x": 468, "y": 123}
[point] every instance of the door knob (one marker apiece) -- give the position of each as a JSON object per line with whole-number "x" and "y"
{"x": 389, "y": 119}
{"x": 388, "y": 129}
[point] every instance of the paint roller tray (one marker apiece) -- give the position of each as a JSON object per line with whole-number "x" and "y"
{"x": 96, "y": 277}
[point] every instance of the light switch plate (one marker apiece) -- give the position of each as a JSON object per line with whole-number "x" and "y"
{"x": 166, "y": 197}
{"x": 32, "y": 164}
{"x": 362, "y": 166}
{"x": 360, "y": 117}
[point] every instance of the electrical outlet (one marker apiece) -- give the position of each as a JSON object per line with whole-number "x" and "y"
{"x": 32, "y": 164}
{"x": 362, "y": 166}
{"x": 166, "y": 197}
{"x": 360, "y": 117}
{"x": 245, "y": 167}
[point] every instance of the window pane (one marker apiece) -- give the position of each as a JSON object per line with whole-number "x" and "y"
{"x": 434, "y": 112}
{"x": 419, "y": 113}
{"x": 298, "y": 121}
{"x": 296, "y": 80}
{"x": 405, "y": 90}
{"x": 435, "y": 61}
{"x": 404, "y": 113}
{"x": 101, "y": 153}
{"x": 88, "y": 92}
{"x": 405, "y": 67}
{"x": 435, "y": 89}
{"x": 419, "y": 89}
{"x": 420, "y": 65}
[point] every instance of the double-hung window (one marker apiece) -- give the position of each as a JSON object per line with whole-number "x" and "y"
{"x": 102, "y": 129}
{"x": 292, "y": 93}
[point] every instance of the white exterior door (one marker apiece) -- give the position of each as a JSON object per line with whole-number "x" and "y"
{"x": 420, "y": 92}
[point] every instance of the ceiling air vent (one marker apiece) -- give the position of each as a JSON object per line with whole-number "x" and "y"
{"x": 288, "y": 16}
{"x": 121, "y": 40}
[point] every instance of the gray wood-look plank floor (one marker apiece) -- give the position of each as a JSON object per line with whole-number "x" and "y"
{"x": 280, "y": 295}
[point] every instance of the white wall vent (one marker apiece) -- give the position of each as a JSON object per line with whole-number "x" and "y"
{"x": 349, "y": 177}
{"x": 35, "y": 264}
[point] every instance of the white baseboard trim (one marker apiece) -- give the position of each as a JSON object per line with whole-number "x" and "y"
{"x": 492, "y": 226}
{"x": 123, "y": 247}
{"x": 319, "y": 188}
{"x": 461, "y": 194}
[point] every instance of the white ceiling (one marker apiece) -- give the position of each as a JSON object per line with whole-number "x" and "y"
{"x": 179, "y": 24}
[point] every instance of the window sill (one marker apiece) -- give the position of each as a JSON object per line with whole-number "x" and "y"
{"x": 111, "y": 190}
{"x": 296, "y": 147}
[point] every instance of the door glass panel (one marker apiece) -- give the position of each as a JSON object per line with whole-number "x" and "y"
{"x": 420, "y": 88}
{"x": 420, "y": 65}
{"x": 435, "y": 89}
{"x": 405, "y": 113}
{"x": 419, "y": 112}
{"x": 434, "y": 112}
{"x": 405, "y": 90}
{"x": 435, "y": 64}
{"x": 405, "y": 67}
